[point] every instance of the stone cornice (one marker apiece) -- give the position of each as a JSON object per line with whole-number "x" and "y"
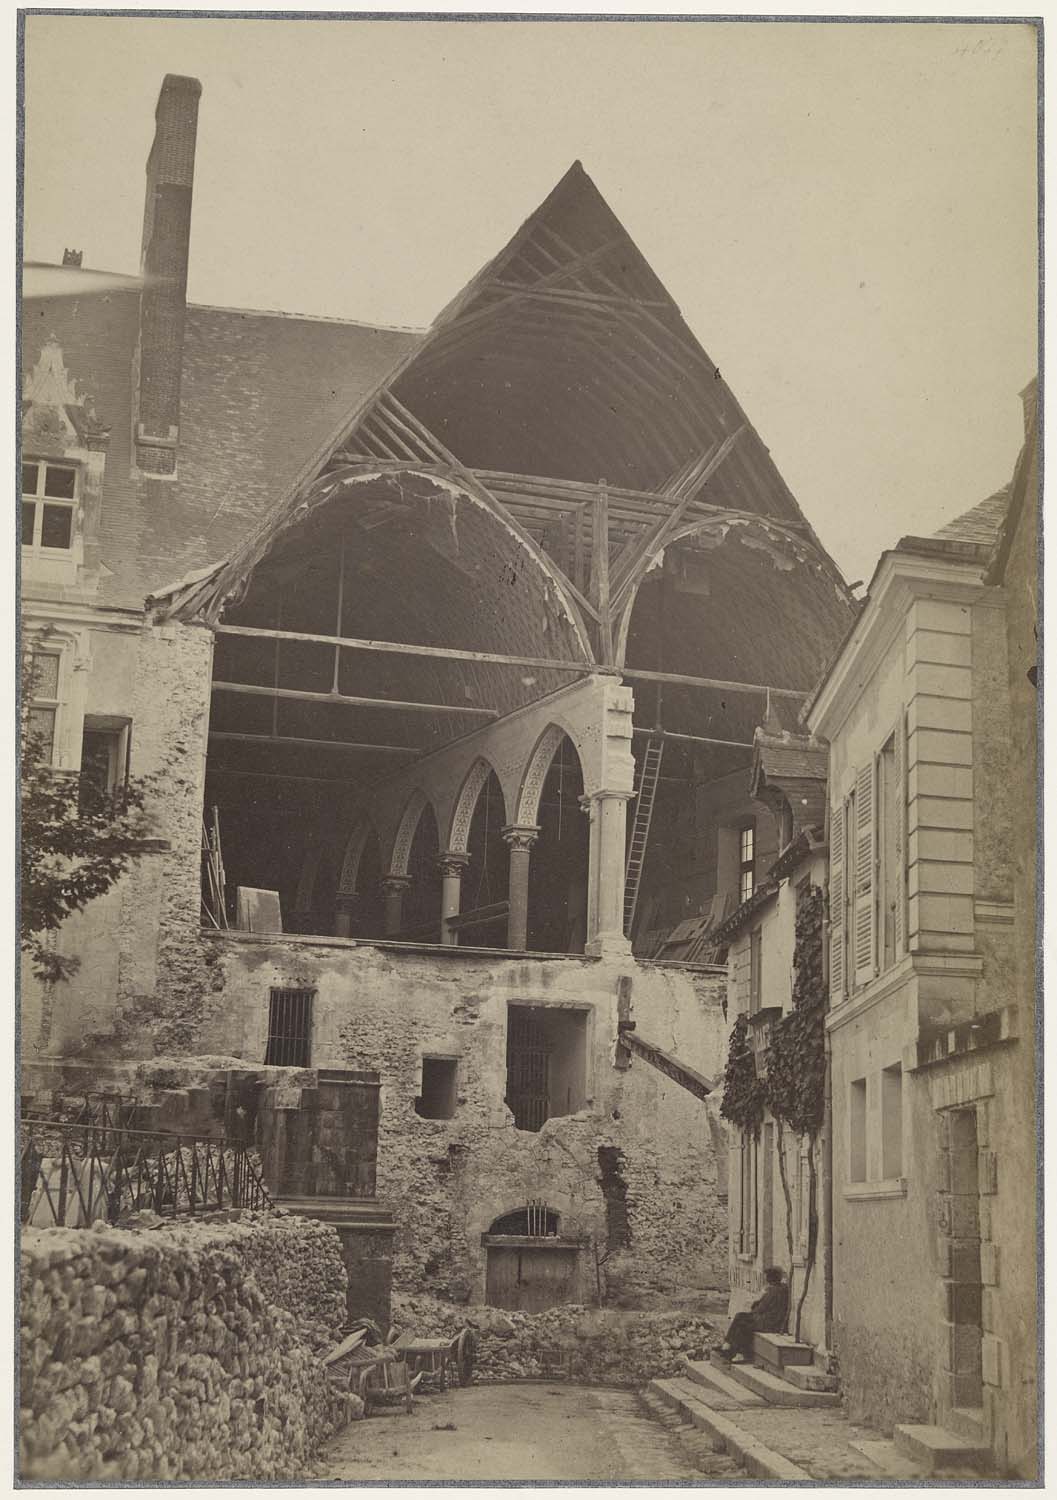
{"x": 902, "y": 578}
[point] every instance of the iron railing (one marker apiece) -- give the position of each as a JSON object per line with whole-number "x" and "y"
{"x": 75, "y": 1174}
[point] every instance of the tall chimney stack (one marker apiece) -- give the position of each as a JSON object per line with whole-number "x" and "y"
{"x": 163, "y": 261}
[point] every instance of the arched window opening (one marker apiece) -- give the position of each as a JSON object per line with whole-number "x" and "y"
{"x": 368, "y": 915}
{"x": 534, "y": 1221}
{"x": 487, "y": 878}
{"x": 421, "y": 910}
{"x": 558, "y": 880}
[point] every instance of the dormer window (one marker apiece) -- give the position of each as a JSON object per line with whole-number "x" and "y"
{"x": 49, "y": 504}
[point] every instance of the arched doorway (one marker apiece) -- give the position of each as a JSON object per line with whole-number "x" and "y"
{"x": 558, "y": 878}
{"x": 530, "y": 1267}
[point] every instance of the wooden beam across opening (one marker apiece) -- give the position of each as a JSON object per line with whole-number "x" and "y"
{"x": 289, "y": 739}
{"x": 690, "y": 739}
{"x": 391, "y": 703}
{"x": 451, "y": 653}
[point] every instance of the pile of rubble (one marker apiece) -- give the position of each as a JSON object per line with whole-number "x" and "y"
{"x": 592, "y": 1346}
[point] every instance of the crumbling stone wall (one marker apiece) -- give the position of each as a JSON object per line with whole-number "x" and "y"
{"x": 143, "y": 967}
{"x": 448, "y": 1179}
{"x": 177, "y": 1353}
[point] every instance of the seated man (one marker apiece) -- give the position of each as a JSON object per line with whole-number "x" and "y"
{"x": 768, "y": 1315}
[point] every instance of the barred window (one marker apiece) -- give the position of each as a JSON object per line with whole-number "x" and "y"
{"x": 289, "y": 1028}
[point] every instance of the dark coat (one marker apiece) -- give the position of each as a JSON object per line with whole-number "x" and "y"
{"x": 769, "y": 1312}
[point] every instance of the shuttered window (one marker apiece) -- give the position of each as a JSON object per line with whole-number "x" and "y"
{"x": 289, "y": 1028}
{"x": 864, "y": 923}
{"x": 837, "y": 817}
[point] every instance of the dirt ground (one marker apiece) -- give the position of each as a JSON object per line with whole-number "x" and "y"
{"x": 524, "y": 1432}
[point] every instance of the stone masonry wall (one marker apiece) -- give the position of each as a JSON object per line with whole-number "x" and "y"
{"x": 140, "y": 956}
{"x": 639, "y": 1138}
{"x": 177, "y": 1353}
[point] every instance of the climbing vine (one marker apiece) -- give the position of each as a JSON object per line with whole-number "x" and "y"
{"x": 794, "y": 1085}
{"x": 744, "y": 1098}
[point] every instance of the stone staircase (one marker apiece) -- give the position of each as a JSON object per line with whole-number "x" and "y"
{"x": 780, "y": 1418}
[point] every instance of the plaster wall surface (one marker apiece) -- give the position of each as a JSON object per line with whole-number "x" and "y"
{"x": 138, "y": 944}
{"x": 448, "y": 1180}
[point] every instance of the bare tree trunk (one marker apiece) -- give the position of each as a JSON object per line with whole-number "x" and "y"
{"x": 812, "y": 1233}
{"x": 788, "y": 1199}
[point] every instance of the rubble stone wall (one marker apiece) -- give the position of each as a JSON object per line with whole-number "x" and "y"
{"x": 178, "y": 1353}
{"x": 639, "y": 1138}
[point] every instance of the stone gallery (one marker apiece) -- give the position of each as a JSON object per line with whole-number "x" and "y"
{"x": 488, "y": 781}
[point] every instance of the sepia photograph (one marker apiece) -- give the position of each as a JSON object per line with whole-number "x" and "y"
{"x": 528, "y": 697}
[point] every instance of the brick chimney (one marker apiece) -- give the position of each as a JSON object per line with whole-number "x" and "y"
{"x": 163, "y": 262}
{"x": 73, "y": 258}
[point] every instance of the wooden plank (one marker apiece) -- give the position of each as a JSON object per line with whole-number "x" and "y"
{"x": 690, "y": 739}
{"x": 289, "y": 739}
{"x": 639, "y": 674}
{"x": 400, "y": 648}
{"x": 275, "y": 775}
{"x": 600, "y": 570}
{"x": 566, "y": 295}
{"x": 399, "y": 704}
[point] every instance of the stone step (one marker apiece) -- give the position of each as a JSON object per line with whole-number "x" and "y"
{"x": 891, "y": 1461}
{"x": 970, "y": 1423}
{"x": 718, "y": 1382}
{"x": 936, "y": 1449}
{"x": 810, "y": 1378}
{"x": 774, "y": 1389}
{"x": 778, "y": 1350}
{"x": 717, "y": 1399}
{"x": 755, "y": 1457}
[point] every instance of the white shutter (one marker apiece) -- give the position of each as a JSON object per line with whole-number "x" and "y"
{"x": 864, "y": 921}
{"x": 836, "y": 903}
{"x": 900, "y": 794}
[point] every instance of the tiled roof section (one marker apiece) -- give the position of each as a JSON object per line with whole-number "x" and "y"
{"x": 261, "y": 394}
{"x": 737, "y": 919}
{"x": 980, "y": 525}
{"x": 794, "y": 758}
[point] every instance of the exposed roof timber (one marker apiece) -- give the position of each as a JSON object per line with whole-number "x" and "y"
{"x": 682, "y": 494}
{"x": 213, "y": 770}
{"x": 450, "y": 653}
{"x": 403, "y": 648}
{"x": 639, "y": 674}
{"x": 289, "y": 739}
{"x": 690, "y": 739}
{"x": 393, "y": 704}
{"x": 570, "y": 295}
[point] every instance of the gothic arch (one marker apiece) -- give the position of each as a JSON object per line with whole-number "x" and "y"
{"x": 536, "y": 773}
{"x": 413, "y": 810}
{"x": 466, "y": 804}
{"x": 350, "y": 865}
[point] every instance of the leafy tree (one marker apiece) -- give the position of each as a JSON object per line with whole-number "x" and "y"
{"x": 76, "y": 841}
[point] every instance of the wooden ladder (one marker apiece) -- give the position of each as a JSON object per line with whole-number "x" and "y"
{"x": 646, "y": 791}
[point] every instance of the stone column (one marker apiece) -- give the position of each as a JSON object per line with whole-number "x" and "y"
{"x": 393, "y": 888}
{"x": 520, "y": 839}
{"x": 344, "y": 912}
{"x": 605, "y": 932}
{"x": 452, "y": 863}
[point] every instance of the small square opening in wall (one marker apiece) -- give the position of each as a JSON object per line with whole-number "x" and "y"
{"x": 289, "y": 1028}
{"x": 440, "y": 1076}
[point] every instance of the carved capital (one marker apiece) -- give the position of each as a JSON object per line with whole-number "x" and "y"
{"x": 521, "y": 836}
{"x": 395, "y": 885}
{"x": 452, "y": 863}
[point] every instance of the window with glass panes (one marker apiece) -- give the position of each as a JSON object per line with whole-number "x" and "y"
{"x": 746, "y": 862}
{"x": 44, "y": 699}
{"x": 49, "y": 499}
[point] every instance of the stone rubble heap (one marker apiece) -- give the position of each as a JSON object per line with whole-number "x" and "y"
{"x": 183, "y": 1352}
{"x": 604, "y": 1346}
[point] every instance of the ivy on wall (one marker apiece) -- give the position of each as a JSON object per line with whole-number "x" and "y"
{"x": 794, "y": 1085}
{"x": 744, "y": 1098}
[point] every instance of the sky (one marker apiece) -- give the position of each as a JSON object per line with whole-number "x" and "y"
{"x": 846, "y": 214}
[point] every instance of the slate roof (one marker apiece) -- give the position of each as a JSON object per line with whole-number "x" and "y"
{"x": 980, "y": 525}
{"x": 792, "y": 759}
{"x": 262, "y": 394}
